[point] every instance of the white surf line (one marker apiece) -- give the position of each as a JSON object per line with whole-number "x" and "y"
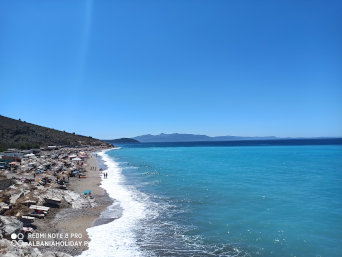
{"x": 117, "y": 238}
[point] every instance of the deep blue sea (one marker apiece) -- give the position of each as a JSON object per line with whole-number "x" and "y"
{"x": 231, "y": 200}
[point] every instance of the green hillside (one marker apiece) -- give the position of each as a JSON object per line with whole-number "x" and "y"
{"x": 23, "y": 135}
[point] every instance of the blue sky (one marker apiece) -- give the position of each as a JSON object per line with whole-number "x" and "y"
{"x": 124, "y": 68}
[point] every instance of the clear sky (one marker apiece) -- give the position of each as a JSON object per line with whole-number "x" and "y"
{"x": 124, "y": 68}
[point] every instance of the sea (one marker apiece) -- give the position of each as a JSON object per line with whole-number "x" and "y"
{"x": 264, "y": 198}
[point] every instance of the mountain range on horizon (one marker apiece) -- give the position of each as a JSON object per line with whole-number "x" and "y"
{"x": 177, "y": 137}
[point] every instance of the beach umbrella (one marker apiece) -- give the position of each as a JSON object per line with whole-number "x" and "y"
{"x": 29, "y": 155}
{"x": 87, "y": 192}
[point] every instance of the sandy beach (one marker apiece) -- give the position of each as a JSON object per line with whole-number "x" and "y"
{"x": 76, "y": 221}
{"x": 75, "y": 213}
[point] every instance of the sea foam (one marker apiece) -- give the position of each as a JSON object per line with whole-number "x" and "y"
{"x": 117, "y": 238}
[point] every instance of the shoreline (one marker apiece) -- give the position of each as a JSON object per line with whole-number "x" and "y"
{"x": 117, "y": 237}
{"x": 76, "y": 212}
{"x": 78, "y": 221}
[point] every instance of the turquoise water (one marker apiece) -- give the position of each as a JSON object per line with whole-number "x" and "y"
{"x": 237, "y": 201}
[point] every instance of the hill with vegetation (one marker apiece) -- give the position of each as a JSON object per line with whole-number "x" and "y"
{"x": 123, "y": 140}
{"x": 23, "y": 135}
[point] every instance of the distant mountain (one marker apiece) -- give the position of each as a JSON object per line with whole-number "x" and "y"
{"x": 23, "y": 135}
{"x": 176, "y": 137}
{"x": 123, "y": 140}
